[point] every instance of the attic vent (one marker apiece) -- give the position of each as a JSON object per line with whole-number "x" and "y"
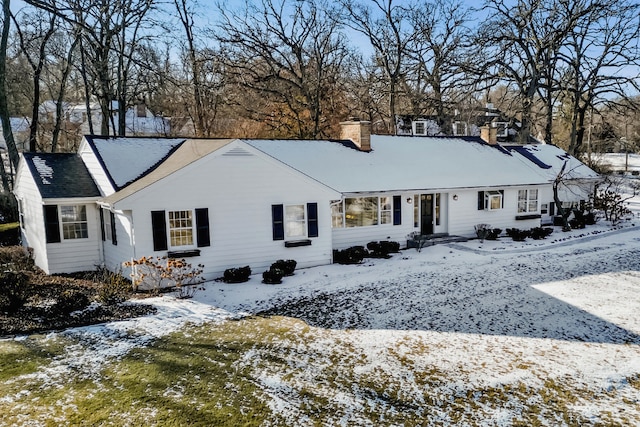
{"x": 238, "y": 152}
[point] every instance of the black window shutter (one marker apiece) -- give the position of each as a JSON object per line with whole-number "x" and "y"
{"x": 480, "y": 200}
{"x": 159, "y": 227}
{"x": 502, "y": 199}
{"x": 102, "y": 225}
{"x": 51, "y": 224}
{"x": 114, "y": 239}
{"x": 202, "y": 227}
{"x": 552, "y": 209}
{"x": 312, "y": 220}
{"x": 277, "y": 217}
{"x": 397, "y": 210}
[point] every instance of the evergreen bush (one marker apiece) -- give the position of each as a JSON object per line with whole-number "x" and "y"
{"x": 237, "y": 275}
{"x": 518, "y": 235}
{"x": 287, "y": 266}
{"x": 273, "y": 276}
{"x": 352, "y": 255}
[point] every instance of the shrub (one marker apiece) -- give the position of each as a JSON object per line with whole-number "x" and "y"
{"x": 273, "y": 276}
{"x": 155, "y": 273}
{"x": 493, "y": 234}
{"x": 15, "y": 289}
{"x": 590, "y": 218}
{"x": 287, "y": 266}
{"x": 70, "y": 300}
{"x": 113, "y": 289}
{"x": 15, "y": 258}
{"x": 236, "y": 275}
{"x": 517, "y": 235}
{"x": 538, "y": 233}
{"x": 382, "y": 249}
{"x": 352, "y": 255}
{"x": 481, "y": 231}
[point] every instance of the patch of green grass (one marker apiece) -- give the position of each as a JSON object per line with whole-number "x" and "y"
{"x": 26, "y": 356}
{"x": 226, "y": 375}
{"x": 9, "y": 226}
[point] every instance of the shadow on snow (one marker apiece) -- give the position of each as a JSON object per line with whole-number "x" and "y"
{"x": 482, "y": 301}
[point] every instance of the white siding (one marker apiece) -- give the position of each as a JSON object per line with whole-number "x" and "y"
{"x": 115, "y": 255}
{"x": 77, "y": 254}
{"x": 95, "y": 169}
{"x": 33, "y": 234}
{"x": 464, "y": 213}
{"x": 238, "y": 190}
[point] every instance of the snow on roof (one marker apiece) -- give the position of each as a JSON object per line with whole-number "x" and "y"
{"x": 550, "y": 159}
{"x": 402, "y": 163}
{"x": 127, "y": 159}
{"x": 188, "y": 152}
{"x": 60, "y": 175}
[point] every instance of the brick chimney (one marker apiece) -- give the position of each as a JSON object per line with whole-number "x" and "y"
{"x": 489, "y": 134}
{"x": 358, "y": 131}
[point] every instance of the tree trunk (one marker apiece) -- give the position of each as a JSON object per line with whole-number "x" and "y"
{"x": 14, "y": 157}
{"x": 61, "y": 93}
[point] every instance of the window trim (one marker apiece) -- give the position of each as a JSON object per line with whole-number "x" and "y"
{"x": 527, "y": 200}
{"x": 168, "y": 220}
{"x": 423, "y": 123}
{"x": 62, "y": 222}
{"x": 491, "y": 195}
{"x": 304, "y": 222}
{"x": 394, "y": 216}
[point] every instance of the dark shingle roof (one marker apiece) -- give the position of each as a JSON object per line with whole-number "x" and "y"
{"x": 61, "y": 175}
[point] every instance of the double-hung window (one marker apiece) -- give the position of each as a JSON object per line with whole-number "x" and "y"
{"x": 74, "y": 222}
{"x": 386, "y": 210}
{"x": 527, "y": 201}
{"x": 180, "y": 228}
{"x": 337, "y": 214}
{"x": 295, "y": 224}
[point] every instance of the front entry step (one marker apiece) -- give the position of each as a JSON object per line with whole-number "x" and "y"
{"x": 420, "y": 241}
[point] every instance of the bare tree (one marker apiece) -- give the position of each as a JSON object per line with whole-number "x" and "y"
{"x": 600, "y": 59}
{"x": 7, "y": 182}
{"x": 290, "y": 54}
{"x": 385, "y": 25}
{"x": 522, "y": 43}
{"x": 434, "y": 54}
{"x": 33, "y": 43}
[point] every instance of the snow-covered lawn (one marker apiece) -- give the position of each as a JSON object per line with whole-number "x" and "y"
{"x": 493, "y": 333}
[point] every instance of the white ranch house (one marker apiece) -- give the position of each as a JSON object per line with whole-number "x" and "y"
{"x": 235, "y": 202}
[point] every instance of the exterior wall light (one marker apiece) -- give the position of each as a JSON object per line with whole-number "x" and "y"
{"x": 455, "y": 197}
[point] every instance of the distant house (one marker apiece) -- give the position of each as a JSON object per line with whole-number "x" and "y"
{"x": 468, "y": 124}
{"x": 140, "y": 121}
{"x": 20, "y": 129}
{"x": 235, "y": 202}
